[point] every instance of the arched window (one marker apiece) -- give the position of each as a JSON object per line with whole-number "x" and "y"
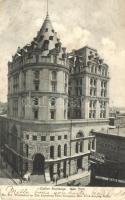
{"x": 77, "y": 147}
{"x": 65, "y": 150}
{"x": 81, "y": 146}
{"x": 80, "y": 134}
{"x": 46, "y": 45}
{"x": 59, "y": 151}
{"x": 54, "y": 75}
{"x": 52, "y": 152}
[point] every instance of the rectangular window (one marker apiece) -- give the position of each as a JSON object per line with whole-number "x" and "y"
{"x": 52, "y": 114}
{"x": 53, "y": 85}
{"x": 36, "y": 114}
{"x": 52, "y": 138}
{"x": 59, "y": 137}
{"x": 64, "y": 114}
{"x": 27, "y": 137}
{"x": 36, "y": 87}
{"x": 43, "y": 138}
{"x": 65, "y": 136}
{"x": 34, "y": 137}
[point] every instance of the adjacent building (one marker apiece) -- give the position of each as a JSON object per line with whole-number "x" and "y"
{"x": 111, "y": 145}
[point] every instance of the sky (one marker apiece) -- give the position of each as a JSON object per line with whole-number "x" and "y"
{"x": 99, "y": 24}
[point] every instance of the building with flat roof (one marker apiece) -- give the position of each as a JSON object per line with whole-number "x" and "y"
{"x": 110, "y": 144}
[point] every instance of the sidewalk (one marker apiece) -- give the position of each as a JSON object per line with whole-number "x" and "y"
{"x": 74, "y": 177}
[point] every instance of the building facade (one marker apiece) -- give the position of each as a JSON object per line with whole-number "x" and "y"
{"x": 55, "y": 100}
{"x": 112, "y": 146}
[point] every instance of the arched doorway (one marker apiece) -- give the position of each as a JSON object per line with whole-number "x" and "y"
{"x": 38, "y": 164}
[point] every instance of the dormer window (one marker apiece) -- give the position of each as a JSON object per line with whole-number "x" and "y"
{"x": 46, "y": 45}
{"x": 41, "y": 37}
{"x": 51, "y": 38}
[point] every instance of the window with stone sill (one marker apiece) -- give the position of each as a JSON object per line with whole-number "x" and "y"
{"x": 65, "y": 150}
{"x": 54, "y": 87}
{"x": 36, "y": 87}
{"x": 52, "y": 114}
{"x": 54, "y": 75}
{"x": 52, "y": 152}
{"x": 52, "y": 138}
{"x": 27, "y": 150}
{"x": 27, "y": 137}
{"x": 36, "y": 114}
{"x": 65, "y": 136}
{"x": 59, "y": 137}
{"x": 34, "y": 137}
{"x": 95, "y": 82}
{"x": 89, "y": 145}
{"x": 53, "y": 102}
{"x": 81, "y": 146}
{"x": 59, "y": 150}
{"x": 64, "y": 114}
{"x": 43, "y": 138}
{"x": 77, "y": 147}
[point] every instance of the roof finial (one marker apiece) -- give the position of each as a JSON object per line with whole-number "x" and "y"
{"x": 47, "y": 7}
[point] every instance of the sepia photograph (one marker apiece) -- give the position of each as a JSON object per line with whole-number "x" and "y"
{"x": 62, "y": 93}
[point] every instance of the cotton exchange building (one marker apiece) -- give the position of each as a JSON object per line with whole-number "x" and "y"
{"x": 36, "y": 135}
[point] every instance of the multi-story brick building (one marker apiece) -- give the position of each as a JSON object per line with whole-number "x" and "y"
{"x": 37, "y": 136}
{"x": 111, "y": 145}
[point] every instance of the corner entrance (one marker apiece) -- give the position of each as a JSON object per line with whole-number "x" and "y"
{"x": 38, "y": 164}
